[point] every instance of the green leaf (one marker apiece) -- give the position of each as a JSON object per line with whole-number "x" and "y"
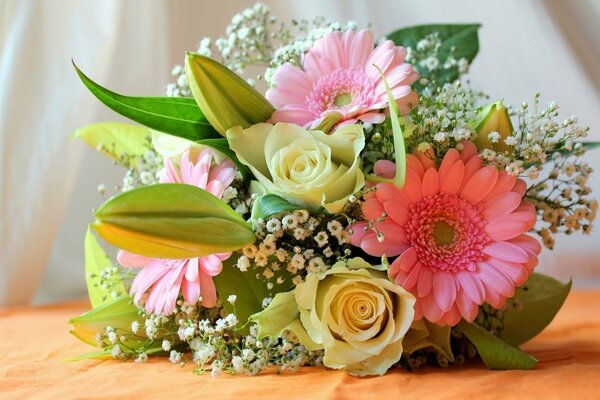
{"x": 424, "y": 334}
{"x": 460, "y": 37}
{"x": 171, "y": 221}
{"x": 226, "y": 99}
{"x": 222, "y": 145}
{"x": 271, "y": 204}
{"x": 249, "y": 290}
{"x": 590, "y": 145}
{"x": 399, "y": 146}
{"x": 178, "y": 116}
{"x": 495, "y": 353}
{"x": 94, "y": 355}
{"x": 124, "y": 143}
{"x": 282, "y": 311}
{"x": 96, "y": 261}
{"x": 539, "y": 299}
{"x": 118, "y": 314}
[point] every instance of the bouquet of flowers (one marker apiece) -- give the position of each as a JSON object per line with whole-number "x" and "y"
{"x": 370, "y": 210}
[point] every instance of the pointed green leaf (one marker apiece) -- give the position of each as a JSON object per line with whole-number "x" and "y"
{"x": 249, "y": 290}
{"x": 225, "y": 98}
{"x": 178, "y": 116}
{"x": 590, "y": 145}
{"x": 537, "y": 302}
{"x": 495, "y": 353}
{"x": 124, "y": 143}
{"x": 460, "y": 40}
{"x": 118, "y": 314}
{"x": 399, "y": 146}
{"x": 282, "y": 311}
{"x": 96, "y": 261}
{"x": 94, "y": 355}
{"x": 171, "y": 221}
{"x": 270, "y": 204}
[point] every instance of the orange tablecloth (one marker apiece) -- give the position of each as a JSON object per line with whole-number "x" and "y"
{"x": 34, "y": 342}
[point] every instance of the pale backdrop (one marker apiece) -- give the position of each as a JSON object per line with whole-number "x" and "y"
{"x": 48, "y": 184}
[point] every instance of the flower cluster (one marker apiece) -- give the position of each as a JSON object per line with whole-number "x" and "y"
{"x": 370, "y": 210}
{"x": 294, "y": 244}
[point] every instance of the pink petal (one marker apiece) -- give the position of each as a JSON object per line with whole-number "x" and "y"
{"x": 208, "y": 291}
{"x": 412, "y": 186}
{"x": 453, "y": 179}
{"x": 451, "y": 157}
{"x": 210, "y": 265}
{"x": 425, "y": 283}
{"x": 385, "y": 169}
{"x": 431, "y": 183}
{"x": 359, "y": 231}
{"x": 132, "y": 260}
{"x": 397, "y": 211}
{"x": 405, "y": 262}
{"x": 431, "y": 311}
{"x": 508, "y": 227}
{"x": 494, "y": 280}
{"x": 191, "y": 290}
{"x": 388, "y": 247}
{"x": 506, "y": 251}
{"x": 444, "y": 289}
{"x": 414, "y": 163}
{"x": 480, "y": 185}
{"x": 501, "y": 205}
{"x": 504, "y": 184}
{"x": 412, "y": 278}
{"x": 472, "y": 286}
{"x": 372, "y": 209}
{"x": 467, "y": 307}
{"x": 468, "y": 151}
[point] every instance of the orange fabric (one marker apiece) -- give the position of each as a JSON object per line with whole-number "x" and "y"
{"x": 35, "y": 341}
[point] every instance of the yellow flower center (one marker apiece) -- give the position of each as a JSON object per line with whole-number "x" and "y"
{"x": 443, "y": 233}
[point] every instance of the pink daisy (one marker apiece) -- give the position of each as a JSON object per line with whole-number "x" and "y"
{"x": 163, "y": 279}
{"x": 459, "y": 231}
{"x": 338, "y": 76}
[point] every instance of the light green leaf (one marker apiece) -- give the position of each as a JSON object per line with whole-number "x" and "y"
{"x": 222, "y": 145}
{"x": 460, "y": 41}
{"x": 539, "y": 300}
{"x": 225, "y": 98}
{"x": 249, "y": 290}
{"x": 495, "y": 353}
{"x": 399, "y": 146}
{"x": 171, "y": 221}
{"x": 96, "y": 261}
{"x": 118, "y": 314}
{"x": 178, "y": 116}
{"x": 424, "y": 334}
{"x": 282, "y": 311}
{"x": 269, "y": 205}
{"x": 94, "y": 355}
{"x": 124, "y": 143}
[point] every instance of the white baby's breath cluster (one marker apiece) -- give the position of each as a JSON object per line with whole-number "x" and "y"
{"x": 144, "y": 172}
{"x": 427, "y": 56}
{"x": 438, "y": 123}
{"x": 292, "y": 244}
{"x": 255, "y": 40}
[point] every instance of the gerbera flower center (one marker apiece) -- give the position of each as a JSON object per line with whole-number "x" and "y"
{"x": 443, "y": 233}
{"x": 447, "y": 232}
{"x": 344, "y": 90}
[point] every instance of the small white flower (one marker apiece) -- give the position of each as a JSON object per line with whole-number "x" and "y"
{"x": 116, "y": 351}
{"x": 232, "y": 298}
{"x": 141, "y": 358}
{"x": 494, "y": 137}
{"x": 166, "y": 345}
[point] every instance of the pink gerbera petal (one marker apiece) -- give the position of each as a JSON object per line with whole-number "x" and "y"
{"x": 338, "y": 74}
{"x": 459, "y": 231}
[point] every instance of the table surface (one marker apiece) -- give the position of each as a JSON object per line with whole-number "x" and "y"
{"x": 34, "y": 341}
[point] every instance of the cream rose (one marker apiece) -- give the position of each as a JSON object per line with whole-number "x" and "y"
{"x": 352, "y": 312}
{"x": 309, "y": 168}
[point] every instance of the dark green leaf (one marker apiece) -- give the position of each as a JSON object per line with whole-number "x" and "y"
{"x": 270, "y": 204}
{"x": 590, "y": 145}
{"x": 536, "y": 304}
{"x": 495, "y": 353}
{"x": 460, "y": 41}
{"x": 178, "y": 116}
{"x": 171, "y": 221}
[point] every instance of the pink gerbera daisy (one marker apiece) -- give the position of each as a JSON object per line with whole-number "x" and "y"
{"x": 163, "y": 279}
{"x": 459, "y": 231}
{"x": 338, "y": 76}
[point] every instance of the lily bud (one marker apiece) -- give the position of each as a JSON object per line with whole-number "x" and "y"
{"x": 225, "y": 99}
{"x": 493, "y": 118}
{"x": 171, "y": 221}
